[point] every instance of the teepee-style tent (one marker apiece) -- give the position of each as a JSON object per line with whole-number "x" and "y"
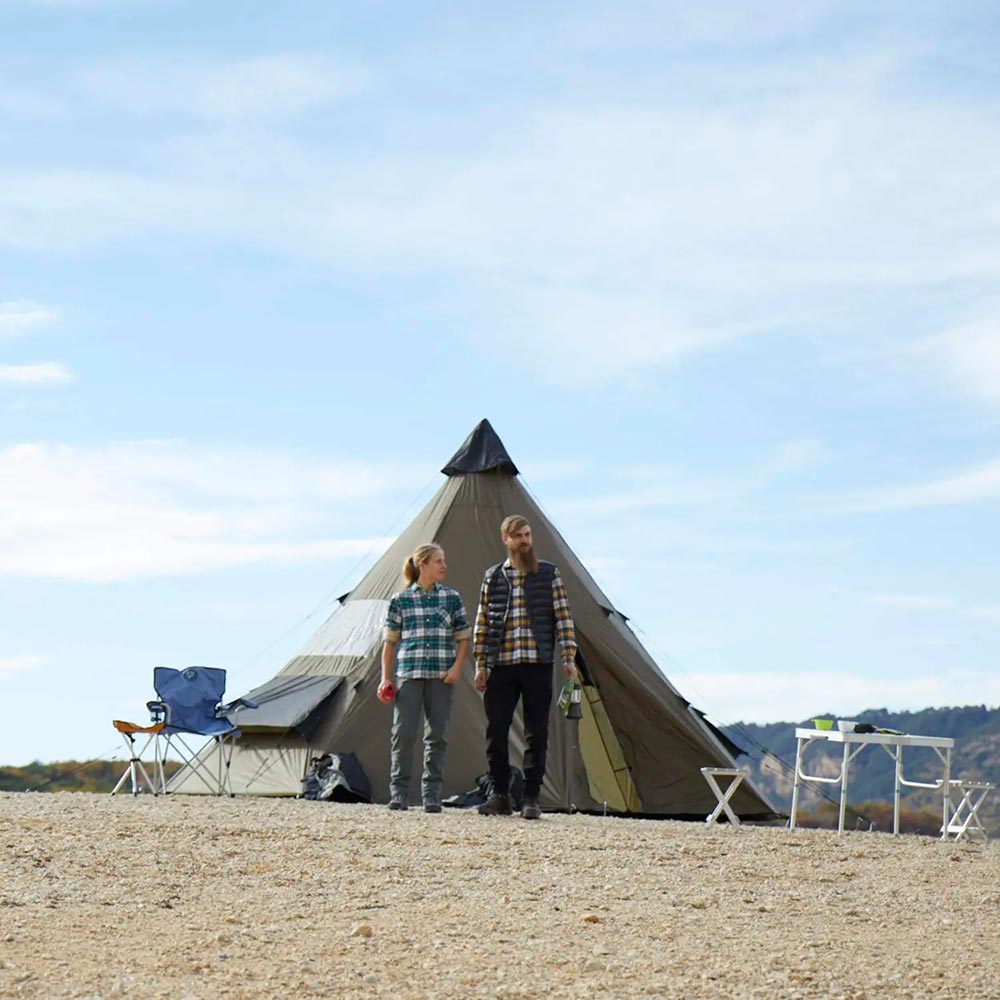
{"x": 637, "y": 749}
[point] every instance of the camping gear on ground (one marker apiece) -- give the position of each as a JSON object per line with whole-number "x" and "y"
{"x": 484, "y": 789}
{"x": 570, "y": 700}
{"x": 386, "y": 692}
{"x": 337, "y": 777}
{"x": 637, "y": 747}
{"x": 190, "y": 703}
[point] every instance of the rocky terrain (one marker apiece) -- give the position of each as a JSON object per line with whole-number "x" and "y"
{"x": 255, "y": 898}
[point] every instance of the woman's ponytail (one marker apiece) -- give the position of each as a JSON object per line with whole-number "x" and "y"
{"x": 412, "y": 564}
{"x": 411, "y": 571}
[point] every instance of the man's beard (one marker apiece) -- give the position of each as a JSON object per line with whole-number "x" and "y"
{"x": 524, "y": 559}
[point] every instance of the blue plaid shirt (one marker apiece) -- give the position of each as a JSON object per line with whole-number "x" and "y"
{"x": 426, "y": 624}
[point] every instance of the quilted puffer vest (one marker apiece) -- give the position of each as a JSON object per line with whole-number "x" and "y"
{"x": 538, "y": 596}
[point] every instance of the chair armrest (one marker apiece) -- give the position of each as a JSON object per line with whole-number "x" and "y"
{"x": 157, "y": 709}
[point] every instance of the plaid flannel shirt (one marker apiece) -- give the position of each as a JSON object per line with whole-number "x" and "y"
{"x": 426, "y": 624}
{"x": 518, "y": 642}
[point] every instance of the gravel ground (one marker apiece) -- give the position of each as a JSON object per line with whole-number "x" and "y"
{"x": 198, "y": 898}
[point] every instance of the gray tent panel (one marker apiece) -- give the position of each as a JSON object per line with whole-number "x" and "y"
{"x": 285, "y": 702}
{"x": 354, "y": 629}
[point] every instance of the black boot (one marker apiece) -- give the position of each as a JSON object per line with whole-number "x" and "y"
{"x": 495, "y": 805}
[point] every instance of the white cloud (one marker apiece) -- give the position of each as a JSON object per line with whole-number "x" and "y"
{"x": 970, "y": 356}
{"x": 978, "y": 484}
{"x": 986, "y": 612}
{"x": 664, "y": 494}
{"x": 914, "y": 602}
{"x": 134, "y": 509}
{"x": 630, "y": 236}
{"x": 260, "y": 88}
{"x": 18, "y": 318}
{"x": 609, "y": 203}
{"x": 42, "y": 373}
{"x": 764, "y": 697}
{"x": 583, "y": 335}
{"x": 792, "y": 456}
{"x": 20, "y": 104}
{"x": 17, "y": 664}
{"x": 648, "y": 487}
{"x": 684, "y": 26}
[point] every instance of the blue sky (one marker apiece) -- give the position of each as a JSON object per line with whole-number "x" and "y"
{"x": 723, "y": 277}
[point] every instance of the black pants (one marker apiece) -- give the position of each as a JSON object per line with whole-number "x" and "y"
{"x": 531, "y": 682}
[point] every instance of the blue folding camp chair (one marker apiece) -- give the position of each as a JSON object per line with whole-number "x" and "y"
{"x": 190, "y": 702}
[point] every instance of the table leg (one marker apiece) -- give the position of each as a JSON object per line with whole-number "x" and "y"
{"x": 795, "y": 783}
{"x": 895, "y": 794}
{"x": 945, "y": 796}
{"x": 843, "y": 788}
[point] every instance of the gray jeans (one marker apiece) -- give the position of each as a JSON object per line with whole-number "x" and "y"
{"x": 435, "y": 697}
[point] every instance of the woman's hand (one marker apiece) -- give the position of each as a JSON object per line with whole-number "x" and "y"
{"x": 482, "y": 676}
{"x": 454, "y": 675}
{"x": 571, "y": 671}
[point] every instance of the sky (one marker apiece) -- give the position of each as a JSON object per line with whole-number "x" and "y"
{"x": 724, "y": 278}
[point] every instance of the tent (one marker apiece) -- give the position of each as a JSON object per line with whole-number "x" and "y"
{"x": 637, "y": 750}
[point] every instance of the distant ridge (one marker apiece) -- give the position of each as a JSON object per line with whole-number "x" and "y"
{"x": 67, "y": 776}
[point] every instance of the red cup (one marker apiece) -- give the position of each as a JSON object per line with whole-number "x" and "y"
{"x": 386, "y": 692}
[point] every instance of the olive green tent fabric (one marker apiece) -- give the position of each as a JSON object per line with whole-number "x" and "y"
{"x": 638, "y": 748}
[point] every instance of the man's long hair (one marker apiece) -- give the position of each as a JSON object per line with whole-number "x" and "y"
{"x": 527, "y": 561}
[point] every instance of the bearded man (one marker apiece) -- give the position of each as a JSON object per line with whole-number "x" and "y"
{"x": 523, "y": 614}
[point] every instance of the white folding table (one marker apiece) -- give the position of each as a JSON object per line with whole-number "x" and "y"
{"x": 893, "y": 745}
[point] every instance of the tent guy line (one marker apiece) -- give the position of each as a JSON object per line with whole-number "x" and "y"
{"x": 332, "y": 594}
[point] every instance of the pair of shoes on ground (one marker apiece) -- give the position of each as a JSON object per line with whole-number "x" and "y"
{"x": 499, "y": 805}
{"x": 397, "y": 804}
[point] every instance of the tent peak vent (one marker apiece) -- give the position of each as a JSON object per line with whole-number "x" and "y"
{"x": 481, "y": 451}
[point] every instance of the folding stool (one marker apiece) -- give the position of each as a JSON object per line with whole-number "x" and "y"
{"x": 965, "y": 821}
{"x": 141, "y": 782}
{"x": 736, "y": 776}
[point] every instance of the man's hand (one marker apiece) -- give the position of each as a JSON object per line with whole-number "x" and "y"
{"x": 454, "y": 675}
{"x": 571, "y": 671}
{"x": 482, "y": 676}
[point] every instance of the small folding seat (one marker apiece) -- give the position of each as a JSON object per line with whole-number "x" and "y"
{"x": 136, "y": 770}
{"x": 966, "y": 798}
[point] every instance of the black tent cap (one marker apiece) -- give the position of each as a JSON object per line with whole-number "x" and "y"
{"x": 481, "y": 451}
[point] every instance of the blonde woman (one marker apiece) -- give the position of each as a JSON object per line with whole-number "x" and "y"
{"x": 426, "y": 640}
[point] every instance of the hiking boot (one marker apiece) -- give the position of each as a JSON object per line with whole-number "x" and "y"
{"x": 396, "y": 804}
{"x": 530, "y": 808}
{"x": 432, "y": 806}
{"x": 495, "y": 805}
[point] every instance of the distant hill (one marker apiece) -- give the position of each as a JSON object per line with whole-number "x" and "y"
{"x": 975, "y": 729}
{"x": 68, "y": 776}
